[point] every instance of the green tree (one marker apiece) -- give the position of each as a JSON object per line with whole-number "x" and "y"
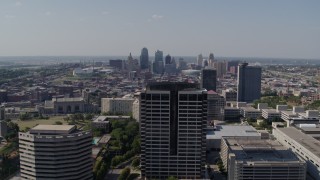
{"x": 58, "y": 123}
{"x": 136, "y": 144}
{"x": 135, "y": 163}
{"x": 124, "y": 174}
{"x": 24, "y": 116}
{"x": 88, "y": 116}
{"x": 172, "y": 178}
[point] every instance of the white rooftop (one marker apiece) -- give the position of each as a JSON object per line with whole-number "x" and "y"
{"x": 231, "y": 130}
{"x": 52, "y": 129}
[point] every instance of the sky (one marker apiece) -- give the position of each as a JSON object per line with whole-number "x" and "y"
{"x": 246, "y": 28}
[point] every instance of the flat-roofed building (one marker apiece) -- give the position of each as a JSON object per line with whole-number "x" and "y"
{"x": 287, "y": 115}
{"x": 260, "y": 160}
{"x": 250, "y": 112}
{"x": 232, "y": 114}
{"x": 101, "y": 122}
{"x": 117, "y": 105}
{"x": 303, "y": 145}
{"x": 216, "y": 105}
{"x": 64, "y": 106}
{"x": 55, "y": 152}
{"x": 229, "y": 95}
{"x": 214, "y": 135}
{"x": 262, "y": 106}
{"x": 297, "y": 116}
{"x": 270, "y": 114}
{"x": 282, "y": 107}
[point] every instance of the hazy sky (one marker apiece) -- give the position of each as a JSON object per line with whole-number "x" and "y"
{"x": 246, "y": 28}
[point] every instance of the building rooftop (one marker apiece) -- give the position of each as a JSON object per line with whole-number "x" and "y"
{"x": 271, "y": 111}
{"x": 52, "y": 129}
{"x": 100, "y": 119}
{"x": 305, "y": 140}
{"x": 231, "y": 131}
{"x": 259, "y": 150}
{"x": 68, "y": 99}
{"x": 250, "y": 109}
{"x": 289, "y": 113}
{"x": 105, "y": 118}
{"x": 212, "y": 92}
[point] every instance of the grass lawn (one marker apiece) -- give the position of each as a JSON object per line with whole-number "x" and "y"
{"x": 31, "y": 123}
{"x": 11, "y": 146}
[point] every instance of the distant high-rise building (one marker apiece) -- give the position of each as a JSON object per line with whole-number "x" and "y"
{"x": 144, "y": 59}
{"x": 182, "y": 64}
{"x": 158, "y": 56}
{"x": 132, "y": 64}
{"x": 117, "y": 63}
{"x": 221, "y": 68}
{"x": 168, "y": 59}
{"x": 209, "y": 79}
{"x": 55, "y": 152}
{"x": 249, "y": 83}
{"x": 173, "y": 136}
{"x": 211, "y": 59}
{"x": 158, "y": 66}
{"x": 205, "y": 63}
{"x": 200, "y": 60}
{"x": 233, "y": 67}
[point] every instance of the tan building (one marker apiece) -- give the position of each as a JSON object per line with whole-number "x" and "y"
{"x": 117, "y": 105}
{"x": 55, "y": 152}
{"x": 136, "y": 110}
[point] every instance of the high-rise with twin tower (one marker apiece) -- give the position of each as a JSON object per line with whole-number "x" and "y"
{"x": 173, "y": 136}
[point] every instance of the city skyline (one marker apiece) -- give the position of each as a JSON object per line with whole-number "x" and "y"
{"x": 271, "y": 29}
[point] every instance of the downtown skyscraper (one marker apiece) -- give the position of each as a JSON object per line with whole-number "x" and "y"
{"x": 173, "y": 136}
{"x": 144, "y": 59}
{"x": 249, "y": 83}
{"x": 158, "y": 66}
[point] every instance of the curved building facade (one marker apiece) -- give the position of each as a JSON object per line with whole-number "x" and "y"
{"x": 55, "y": 152}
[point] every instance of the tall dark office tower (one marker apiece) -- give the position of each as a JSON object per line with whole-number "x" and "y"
{"x": 158, "y": 66}
{"x": 209, "y": 79}
{"x": 168, "y": 59}
{"x": 144, "y": 59}
{"x": 173, "y": 136}
{"x": 249, "y": 83}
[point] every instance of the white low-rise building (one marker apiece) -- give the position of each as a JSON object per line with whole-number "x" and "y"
{"x": 297, "y": 116}
{"x": 304, "y": 145}
{"x": 270, "y": 114}
{"x": 136, "y": 110}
